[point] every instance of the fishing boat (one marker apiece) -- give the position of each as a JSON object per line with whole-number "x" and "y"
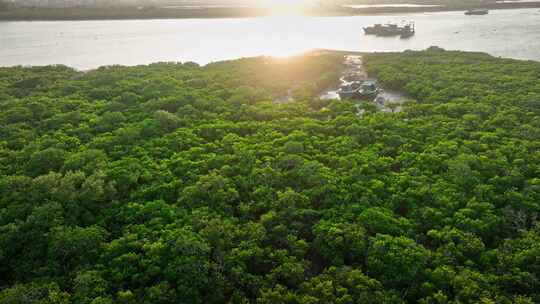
{"x": 368, "y": 89}
{"x": 391, "y": 29}
{"x": 408, "y": 30}
{"x": 477, "y": 12}
{"x": 349, "y": 90}
{"x": 359, "y": 90}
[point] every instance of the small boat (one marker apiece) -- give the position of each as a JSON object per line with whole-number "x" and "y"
{"x": 349, "y": 90}
{"x": 391, "y": 29}
{"x": 407, "y": 31}
{"x": 359, "y": 90}
{"x": 368, "y": 89}
{"x": 477, "y": 12}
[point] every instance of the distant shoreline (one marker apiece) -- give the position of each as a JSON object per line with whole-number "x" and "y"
{"x": 313, "y": 52}
{"x": 73, "y": 14}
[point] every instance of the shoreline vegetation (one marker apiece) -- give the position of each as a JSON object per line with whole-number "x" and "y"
{"x": 178, "y": 183}
{"x": 43, "y": 14}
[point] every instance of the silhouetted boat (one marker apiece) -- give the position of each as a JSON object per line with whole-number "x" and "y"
{"x": 391, "y": 29}
{"x": 477, "y": 12}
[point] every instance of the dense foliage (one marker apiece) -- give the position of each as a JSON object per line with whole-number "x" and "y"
{"x": 174, "y": 183}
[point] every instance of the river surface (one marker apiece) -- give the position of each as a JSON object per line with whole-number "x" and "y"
{"x": 89, "y": 44}
{"x": 390, "y": 5}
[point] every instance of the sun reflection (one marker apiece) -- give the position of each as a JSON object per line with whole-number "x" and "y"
{"x": 285, "y": 7}
{"x": 287, "y": 35}
{"x": 283, "y": 2}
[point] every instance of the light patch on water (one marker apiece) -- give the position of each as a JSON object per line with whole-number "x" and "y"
{"x": 201, "y": 7}
{"x": 89, "y": 44}
{"x": 518, "y": 1}
{"x": 405, "y": 5}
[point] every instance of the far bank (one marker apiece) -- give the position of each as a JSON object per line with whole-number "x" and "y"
{"x": 126, "y": 13}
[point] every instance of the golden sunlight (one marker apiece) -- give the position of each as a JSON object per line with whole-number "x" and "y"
{"x": 283, "y": 2}
{"x": 285, "y": 7}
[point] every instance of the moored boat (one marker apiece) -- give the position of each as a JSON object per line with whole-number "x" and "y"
{"x": 349, "y": 90}
{"x": 477, "y": 12}
{"x": 359, "y": 90}
{"x": 368, "y": 89}
{"x": 391, "y": 29}
{"x": 408, "y": 30}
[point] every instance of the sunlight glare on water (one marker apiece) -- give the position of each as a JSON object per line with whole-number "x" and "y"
{"x": 89, "y": 44}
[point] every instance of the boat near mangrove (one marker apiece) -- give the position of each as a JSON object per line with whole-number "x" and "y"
{"x": 477, "y": 12}
{"x": 391, "y": 29}
{"x": 359, "y": 90}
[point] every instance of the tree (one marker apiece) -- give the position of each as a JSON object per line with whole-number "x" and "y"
{"x": 34, "y": 294}
{"x": 167, "y": 122}
{"x": 340, "y": 243}
{"x": 178, "y": 258}
{"x": 213, "y": 190}
{"x": 381, "y": 220}
{"x": 45, "y": 161}
{"x": 89, "y": 287}
{"x": 396, "y": 261}
{"x": 74, "y": 247}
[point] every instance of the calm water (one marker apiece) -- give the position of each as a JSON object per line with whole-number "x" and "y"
{"x": 517, "y": 1}
{"x": 390, "y": 5}
{"x": 89, "y": 44}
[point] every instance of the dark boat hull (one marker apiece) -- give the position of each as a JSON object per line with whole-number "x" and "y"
{"x": 389, "y": 31}
{"x": 470, "y": 13}
{"x": 407, "y": 35}
{"x": 370, "y": 31}
{"x": 346, "y": 95}
{"x": 357, "y": 94}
